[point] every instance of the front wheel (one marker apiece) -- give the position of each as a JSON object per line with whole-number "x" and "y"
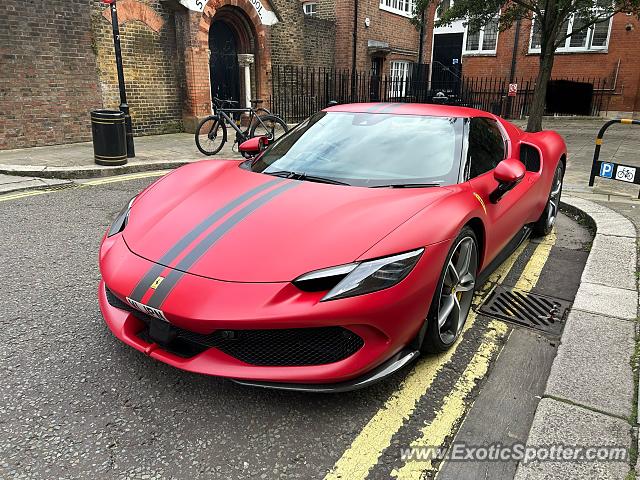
{"x": 451, "y": 302}
{"x": 545, "y": 223}
{"x": 269, "y": 126}
{"x": 211, "y": 135}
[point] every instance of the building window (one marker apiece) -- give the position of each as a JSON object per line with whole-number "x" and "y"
{"x": 310, "y": 8}
{"x": 401, "y": 7}
{"x": 596, "y": 37}
{"x": 443, "y": 6}
{"x": 399, "y": 78}
{"x": 484, "y": 40}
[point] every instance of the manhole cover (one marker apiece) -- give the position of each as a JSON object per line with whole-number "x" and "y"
{"x": 527, "y": 309}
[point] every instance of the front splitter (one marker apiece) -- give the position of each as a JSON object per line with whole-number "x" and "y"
{"x": 391, "y": 366}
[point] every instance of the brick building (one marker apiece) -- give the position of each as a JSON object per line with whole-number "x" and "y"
{"x": 57, "y": 61}
{"x": 609, "y": 51}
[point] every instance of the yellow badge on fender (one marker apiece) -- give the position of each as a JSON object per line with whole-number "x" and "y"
{"x": 484, "y": 207}
{"x": 156, "y": 283}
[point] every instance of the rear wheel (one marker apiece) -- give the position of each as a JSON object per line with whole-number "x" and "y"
{"x": 211, "y": 135}
{"x": 545, "y": 223}
{"x": 451, "y": 302}
{"x": 269, "y": 126}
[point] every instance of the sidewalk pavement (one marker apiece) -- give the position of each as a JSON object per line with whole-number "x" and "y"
{"x": 72, "y": 161}
{"x": 589, "y": 396}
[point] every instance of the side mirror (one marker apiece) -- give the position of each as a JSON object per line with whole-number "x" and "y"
{"x": 508, "y": 173}
{"x": 253, "y": 146}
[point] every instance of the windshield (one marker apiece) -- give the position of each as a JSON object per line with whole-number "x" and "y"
{"x": 369, "y": 149}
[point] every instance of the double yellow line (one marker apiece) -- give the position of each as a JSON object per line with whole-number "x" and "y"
{"x": 90, "y": 183}
{"x": 366, "y": 449}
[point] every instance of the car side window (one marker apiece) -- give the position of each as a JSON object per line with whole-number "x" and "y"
{"x": 486, "y": 146}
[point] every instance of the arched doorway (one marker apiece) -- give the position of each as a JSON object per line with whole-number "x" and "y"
{"x": 230, "y": 34}
{"x": 225, "y": 71}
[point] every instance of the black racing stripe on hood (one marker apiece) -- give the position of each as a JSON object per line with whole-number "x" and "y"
{"x": 145, "y": 283}
{"x": 201, "y": 248}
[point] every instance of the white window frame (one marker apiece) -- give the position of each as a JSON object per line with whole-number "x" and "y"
{"x": 310, "y": 4}
{"x": 404, "y": 8}
{"x": 567, "y": 48}
{"x": 481, "y": 50}
{"x": 399, "y": 70}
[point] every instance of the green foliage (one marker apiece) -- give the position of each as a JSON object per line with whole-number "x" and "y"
{"x": 551, "y": 14}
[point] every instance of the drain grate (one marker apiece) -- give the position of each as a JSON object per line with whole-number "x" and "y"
{"x": 528, "y": 309}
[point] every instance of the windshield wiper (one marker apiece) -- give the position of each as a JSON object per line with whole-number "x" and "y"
{"x": 407, "y": 185}
{"x": 281, "y": 173}
{"x": 304, "y": 176}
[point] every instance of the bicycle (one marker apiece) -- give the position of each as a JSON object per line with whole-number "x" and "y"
{"x": 211, "y": 134}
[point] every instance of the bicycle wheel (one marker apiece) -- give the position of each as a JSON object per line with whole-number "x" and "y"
{"x": 211, "y": 135}
{"x": 269, "y": 126}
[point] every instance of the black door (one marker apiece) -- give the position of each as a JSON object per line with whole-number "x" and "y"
{"x": 225, "y": 72}
{"x": 446, "y": 71}
{"x": 376, "y": 72}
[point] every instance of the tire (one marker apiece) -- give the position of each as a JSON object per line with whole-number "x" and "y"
{"x": 544, "y": 224}
{"x": 443, "y": 329}
{"x": 211, "y": 135}
{"x": 275, "y": 127}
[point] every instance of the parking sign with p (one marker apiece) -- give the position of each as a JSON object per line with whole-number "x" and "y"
{"x": 606, "y": 170}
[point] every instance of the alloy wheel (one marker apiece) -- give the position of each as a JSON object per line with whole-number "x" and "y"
{"x": 554, "y": 198}
{"x": 457, "y": 289}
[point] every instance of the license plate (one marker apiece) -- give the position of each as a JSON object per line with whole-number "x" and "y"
{"x": 154, "y": 312}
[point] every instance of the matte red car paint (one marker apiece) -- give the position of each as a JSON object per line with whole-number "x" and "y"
{"x": 243, "y": 281}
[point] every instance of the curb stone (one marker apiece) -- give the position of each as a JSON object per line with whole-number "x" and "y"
{"x": 22, "y": 184}
{"x": 90, "y": 171}
{"x": 593, "y": 361}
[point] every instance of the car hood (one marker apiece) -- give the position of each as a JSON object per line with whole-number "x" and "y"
{"x": 260, "y": 228}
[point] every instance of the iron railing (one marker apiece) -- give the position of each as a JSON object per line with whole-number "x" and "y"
{"x": 298, "y": 92}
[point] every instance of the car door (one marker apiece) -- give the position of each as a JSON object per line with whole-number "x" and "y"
{"x": 486, "y": 147}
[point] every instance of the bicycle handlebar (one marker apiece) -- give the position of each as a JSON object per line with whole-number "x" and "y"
{"x": 221, "y": 102}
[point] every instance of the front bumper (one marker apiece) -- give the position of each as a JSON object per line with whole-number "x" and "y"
{"x": 386, "y": 321}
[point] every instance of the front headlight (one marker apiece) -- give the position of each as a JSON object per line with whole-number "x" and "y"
{"x": 121, "y": 219}
{"x": 360, "y": 278}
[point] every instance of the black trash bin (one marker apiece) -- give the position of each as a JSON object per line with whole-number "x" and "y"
{"x": 109, "y": 137}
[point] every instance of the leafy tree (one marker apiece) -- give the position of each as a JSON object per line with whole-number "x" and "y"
{"x": 550, "y": 16}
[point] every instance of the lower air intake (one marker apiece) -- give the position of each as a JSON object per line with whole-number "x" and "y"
{"x": 276, "y": 347}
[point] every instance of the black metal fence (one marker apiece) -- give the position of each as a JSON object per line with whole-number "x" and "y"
{"x": 301, "y": 91}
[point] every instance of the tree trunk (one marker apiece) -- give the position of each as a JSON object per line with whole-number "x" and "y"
{"x": 536, "y": 111}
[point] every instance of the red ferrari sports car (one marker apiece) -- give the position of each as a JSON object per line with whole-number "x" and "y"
{"x": 337, "y": 254}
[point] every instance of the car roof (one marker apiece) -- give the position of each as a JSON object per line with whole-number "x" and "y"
{"x": 410, "y": 109}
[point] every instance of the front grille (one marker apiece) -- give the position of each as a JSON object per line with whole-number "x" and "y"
{"x": 277, "y": 347}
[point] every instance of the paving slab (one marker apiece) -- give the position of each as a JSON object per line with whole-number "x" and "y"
{"x": 71, "y": 161}
{"x": 14, "y": 183}
{"x": 608, "y": 301}
{"x": 608, "y": 221}
{"x": 560, "y": 423}
{"x": 612, "y": 262}
{"x": 590, "y": 340}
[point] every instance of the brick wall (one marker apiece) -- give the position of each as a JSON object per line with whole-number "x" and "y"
{"x": 396, "y": 30}
{"x": 319, "y": 42}
{"x": 303, "y": 40}
{"x": 287, "y": 36}
{"x": 48, "y": 81}
{"x": 623, "y": 47}
{"x": 154, "y": 72}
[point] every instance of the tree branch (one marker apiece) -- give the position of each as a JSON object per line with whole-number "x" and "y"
{"x": 586, "y": 26}
{"x": 528, "y": 6}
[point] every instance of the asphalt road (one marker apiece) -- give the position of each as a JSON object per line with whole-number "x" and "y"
{"x": 77, "y": 403}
